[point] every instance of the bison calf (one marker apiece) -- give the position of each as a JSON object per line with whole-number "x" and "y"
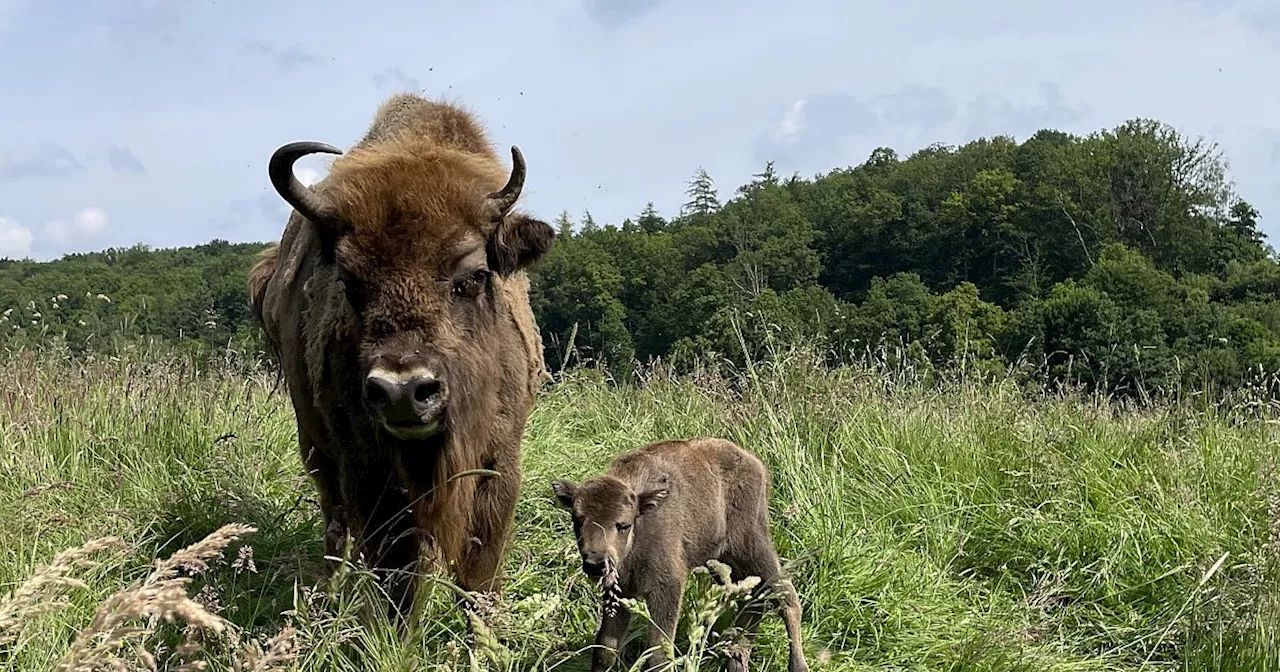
{"x": 664, "y": 509}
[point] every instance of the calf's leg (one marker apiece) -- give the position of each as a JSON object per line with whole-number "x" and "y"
{"x": 748, "y": 622}
{"x": 612, "y": 630}
{"x": 663, "y": 600}
{"x": 791, "y": 613}
{"x": 758, "y": 558}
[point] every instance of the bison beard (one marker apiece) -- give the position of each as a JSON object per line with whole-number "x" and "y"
{"x": 397, "y": 305}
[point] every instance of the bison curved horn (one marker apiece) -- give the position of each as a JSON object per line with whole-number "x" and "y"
{"x": 499, "y": 202}
{"x": 307, "y": 202}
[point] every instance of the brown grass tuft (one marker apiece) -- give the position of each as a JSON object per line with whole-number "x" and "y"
{"x": 46, "y": 590}
{"x": 162, "y": 596}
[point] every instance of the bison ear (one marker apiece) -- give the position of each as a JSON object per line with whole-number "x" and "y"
{"x": 564, "y": 493}
{"x": 650, "y": 500}
{"x": 518, "y": 241}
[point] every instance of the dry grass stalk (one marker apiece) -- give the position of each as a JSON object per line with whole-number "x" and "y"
{"x": 162, "y": 596}
{"x": 280, "y": 649}
{"x": 46, "y": 590}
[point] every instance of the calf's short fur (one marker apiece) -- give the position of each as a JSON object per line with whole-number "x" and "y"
{"x": 663, "y": 509}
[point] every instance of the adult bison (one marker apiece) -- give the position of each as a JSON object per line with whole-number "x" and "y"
{"x": 397, "y": 305}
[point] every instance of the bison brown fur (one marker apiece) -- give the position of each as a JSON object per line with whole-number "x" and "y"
{"x": 668, "y": 507}
{"x": 397, "y": 304}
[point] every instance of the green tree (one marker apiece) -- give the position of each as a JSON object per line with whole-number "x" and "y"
{"x": 703, "y": 199}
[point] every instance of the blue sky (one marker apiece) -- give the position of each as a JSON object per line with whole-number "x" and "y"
{"x": 151, "y": 121}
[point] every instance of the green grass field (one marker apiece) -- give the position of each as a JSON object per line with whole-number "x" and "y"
{"x": 972, "y": 527}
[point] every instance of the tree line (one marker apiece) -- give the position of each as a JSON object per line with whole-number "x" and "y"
{"x": 1121, "y": 260}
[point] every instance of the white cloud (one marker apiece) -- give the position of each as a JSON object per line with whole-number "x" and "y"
{"x": 57, "y": 231}
{"x": 793, "y": 121}
{"x": 15, "y": 239}
{"x": 89, "y": 221}
{"x": 92, "y": 220}
{"x": 308, "y": 176}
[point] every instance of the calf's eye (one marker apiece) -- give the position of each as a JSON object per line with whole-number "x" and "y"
{"x": 623, "y": 527}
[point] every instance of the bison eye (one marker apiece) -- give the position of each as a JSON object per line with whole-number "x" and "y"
{"x": 623, "y": 527}
{"x": 471, "y": 286}
{"x": 382, "y": 328}
{"x": 356, "y": 290}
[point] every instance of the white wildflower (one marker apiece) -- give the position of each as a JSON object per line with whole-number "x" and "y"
{"x": 104, "y": 297}
{"x": 244, "y": 561}
{"x": 7, "y": 312}
{"x": 61, "y": 297}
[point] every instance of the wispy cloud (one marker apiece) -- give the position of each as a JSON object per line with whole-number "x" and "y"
{"x": 916, "y": 104}
{"x": 611, "y": 13}
{"x": 43, "y": 161}
{"x": 811, "y": 129}
{"x": 394, "y": 78}
{"x": 132, "y": 22}
{"x": 819, "y": 132}
{"x": 816, "y": 132}
{"x": 266, "y": 207}
{"x": 122, "y": 160}
{"x": 995, "y": 115}
{"x": 288, "y": 58}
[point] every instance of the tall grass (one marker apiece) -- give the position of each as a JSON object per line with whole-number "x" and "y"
{"x": 962, "y": 526}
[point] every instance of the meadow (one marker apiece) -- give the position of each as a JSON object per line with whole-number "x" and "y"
{"x": 956, "y": 525}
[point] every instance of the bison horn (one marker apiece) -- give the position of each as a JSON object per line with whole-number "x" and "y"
{"x": 499, "y": 202}
{"x": 307, "y": 202}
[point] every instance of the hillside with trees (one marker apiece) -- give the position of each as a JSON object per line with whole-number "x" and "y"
{"x": 1121, "y": 260}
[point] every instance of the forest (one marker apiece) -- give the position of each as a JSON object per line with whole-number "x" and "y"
{"x": 1121, "y": 261}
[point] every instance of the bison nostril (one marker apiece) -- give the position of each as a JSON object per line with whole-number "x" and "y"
{"x": 425, "y": 389}
{"x": 376, "y": 393}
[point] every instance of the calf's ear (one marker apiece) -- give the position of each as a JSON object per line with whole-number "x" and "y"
{"x": 564, "y": 491}
{"x": 518, "y": 241}
{"x": 650, "y": 500}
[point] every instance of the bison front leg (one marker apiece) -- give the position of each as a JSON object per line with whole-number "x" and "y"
{"x": 494, "y": 510}
{"x": 380, "y": 515}
{"x": 323, "y": 471}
